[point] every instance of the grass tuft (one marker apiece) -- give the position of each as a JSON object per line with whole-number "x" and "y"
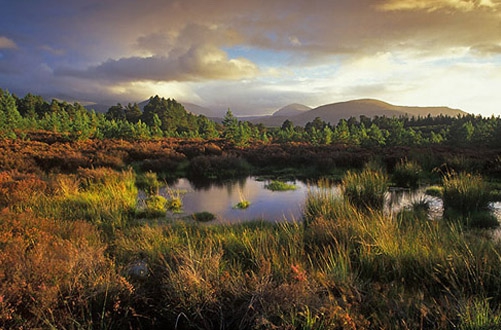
{"x": 367, "y": 189}
{"x": 276, "y": 185}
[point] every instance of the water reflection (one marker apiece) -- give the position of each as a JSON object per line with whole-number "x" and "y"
{"x": 399, "y": 199}
{"x": 221, "y": 198}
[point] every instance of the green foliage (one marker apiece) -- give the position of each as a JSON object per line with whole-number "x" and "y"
{"x": 148, "y": 182}
{"x": 407, "y": 174}
{"x": 277, "y": 185}
{"x": 203, "y": 216}
{"x": 243, "y": 204}
{"x": 467, "y": 196}
{"x": 155, "y": 206}
{"x": 367, "y": 189}
{"x": 476, "y": 314}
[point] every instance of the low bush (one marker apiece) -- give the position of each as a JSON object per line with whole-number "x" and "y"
{"x": 148, "y": 182}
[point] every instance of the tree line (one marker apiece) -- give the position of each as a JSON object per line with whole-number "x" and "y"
{"x": 162, "y": 117}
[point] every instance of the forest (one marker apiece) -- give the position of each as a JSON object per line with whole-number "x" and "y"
{"x": 91, "y": 237}
{"x": 167, "y": 118}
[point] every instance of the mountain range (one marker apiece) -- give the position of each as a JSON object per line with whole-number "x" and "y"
{"x": 301, "y": 114}
{"x": 332, "y": 113}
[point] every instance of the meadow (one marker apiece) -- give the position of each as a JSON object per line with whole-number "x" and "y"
{"x": 77, "y": 250}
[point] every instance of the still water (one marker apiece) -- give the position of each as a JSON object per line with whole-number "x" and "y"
{"x": 220, "y": 199}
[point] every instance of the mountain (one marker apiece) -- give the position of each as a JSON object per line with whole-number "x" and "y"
{"x": 291, "y": 110}
{"x": 198, "y": 110}
{"x": 332, "y": 113}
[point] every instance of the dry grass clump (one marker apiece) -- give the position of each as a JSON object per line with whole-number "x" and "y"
{"x": 54, "y": 274}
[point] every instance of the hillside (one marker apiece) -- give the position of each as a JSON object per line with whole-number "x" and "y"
{"x": 292, "y": 110}
{"x": 332, "y": 113}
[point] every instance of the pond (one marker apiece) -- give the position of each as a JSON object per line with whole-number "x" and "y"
{"x": 220, "y": 199}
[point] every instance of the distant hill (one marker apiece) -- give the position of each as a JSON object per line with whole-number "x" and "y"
{"x": 198, "y": 110}
{"x": 291, "y": 110}
{"x": 332, "y": 113}
{"x": 103, "y": 108}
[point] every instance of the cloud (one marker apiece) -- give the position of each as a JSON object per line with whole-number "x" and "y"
{"x": 259, "y": 53}
{"x": 434, "y": 5}
{"x": 6, "y": 43}
{"x": 198, "y": 63}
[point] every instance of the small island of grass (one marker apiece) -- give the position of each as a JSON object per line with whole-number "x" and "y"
{"x": 203, "y": 216}
{"x": 242, "y": 205}
{"x": 277, "y": 185}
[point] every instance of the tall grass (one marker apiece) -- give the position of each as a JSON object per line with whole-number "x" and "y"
{"x": 348, "y": 267}
{"x": 407, "y": 174}
{"x": 366, "y": 189}
{"x": 467, "y": 196}
{"x": 101, "y": 196}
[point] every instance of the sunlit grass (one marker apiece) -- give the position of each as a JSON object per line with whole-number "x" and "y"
{"x": 366, "y": 189}
{"x": 276, "y": 185}
{"x": 347, "y": 266}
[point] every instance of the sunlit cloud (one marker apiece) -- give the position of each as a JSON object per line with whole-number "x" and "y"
{"x": 255, "y": 56}
{"x": 6, "y": 43}
{"x": 201, "y": 63}
{"x": 433, "y": 5}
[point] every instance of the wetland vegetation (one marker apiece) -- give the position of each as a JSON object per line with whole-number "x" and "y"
{"x": 80, "y": 250}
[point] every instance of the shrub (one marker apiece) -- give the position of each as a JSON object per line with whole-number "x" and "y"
{"x": 367, "y": 189}
{"x": 217, "y": 167}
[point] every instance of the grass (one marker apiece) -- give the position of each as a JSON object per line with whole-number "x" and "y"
{"x": 467, "y": 196}
{"x": 276, "y": 185}
{"x": 347, "y": 266}
{"x": 203, "y": 216}
{"x": 366, "y": 189}
{"x": 407, "y": 174}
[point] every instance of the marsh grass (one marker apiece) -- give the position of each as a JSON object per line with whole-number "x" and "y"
{"x": 366, "y": 189}
{"x": 407, "y": 174}
{"x": 467, "y": 196}
{"x": 155, "y": 206}
{"x": 100, "y": 196}
{"x": 276, "y": 185}
{"x": 55, "y": 275}
{"x": 148, "y": 182}
{"x": 345, "y": 267}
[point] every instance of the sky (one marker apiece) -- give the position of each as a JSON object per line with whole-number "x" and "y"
{"x": 257, "y": 56}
